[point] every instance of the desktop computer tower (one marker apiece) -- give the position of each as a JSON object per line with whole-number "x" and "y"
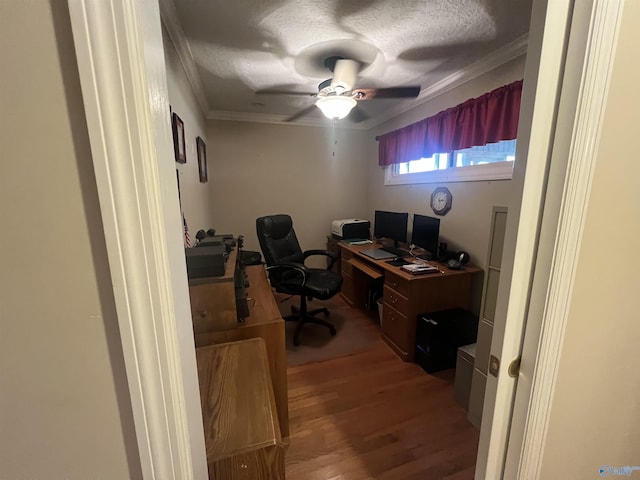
{"x": 439, "y": 334}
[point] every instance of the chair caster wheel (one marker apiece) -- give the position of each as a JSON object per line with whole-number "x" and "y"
{"x": 332, "y": 331}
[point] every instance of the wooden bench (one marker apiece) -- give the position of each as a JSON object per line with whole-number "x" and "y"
{"x": 242, "y": 435}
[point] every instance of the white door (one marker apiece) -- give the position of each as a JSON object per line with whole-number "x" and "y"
{"x": 568, "y": 47}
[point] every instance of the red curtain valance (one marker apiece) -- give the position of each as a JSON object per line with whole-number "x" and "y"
{"x": 490, "y": 118}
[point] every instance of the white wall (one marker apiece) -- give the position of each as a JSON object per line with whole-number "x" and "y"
{"x": 596, "y": 403}
{"x": 466, "y": 226}
{"x": 64, "y": 404}
{"x": 314, "y": 174}
{"x": 195, "y": 196}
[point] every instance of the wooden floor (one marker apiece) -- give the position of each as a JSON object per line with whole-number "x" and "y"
{"x": 372, "y": 416}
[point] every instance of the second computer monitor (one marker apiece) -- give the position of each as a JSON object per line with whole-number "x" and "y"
{"x": 425, "y": 233}
{"x": 391, "y": 225}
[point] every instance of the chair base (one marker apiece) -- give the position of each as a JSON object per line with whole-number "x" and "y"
{"x": 303, "y": 316}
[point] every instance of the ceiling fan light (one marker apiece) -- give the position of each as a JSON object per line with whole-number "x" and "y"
{"x": 336, "y": 107}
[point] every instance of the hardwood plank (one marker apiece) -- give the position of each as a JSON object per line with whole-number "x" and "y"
{"x": 372, "y": 416}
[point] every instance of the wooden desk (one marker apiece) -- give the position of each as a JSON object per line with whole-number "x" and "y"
{"x": 405, "y": 296}
{"x": 242, "y": 437}
{"x": 265, "y": 322}
{"x": 213, "y": 299}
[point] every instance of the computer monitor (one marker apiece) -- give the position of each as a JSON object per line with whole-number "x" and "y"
{"x": 391, "y": 225}
{"x": 425, "y": 233}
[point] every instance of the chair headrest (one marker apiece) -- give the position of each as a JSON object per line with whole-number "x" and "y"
{"x": 276, "y": 226}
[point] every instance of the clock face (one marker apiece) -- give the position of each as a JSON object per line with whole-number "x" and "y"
{"x": 441, "y": 200}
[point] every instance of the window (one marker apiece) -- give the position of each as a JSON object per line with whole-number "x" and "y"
{"x": 493, "y": 161}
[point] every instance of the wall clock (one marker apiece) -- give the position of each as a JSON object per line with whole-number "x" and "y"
{"x": 441, "y": 199}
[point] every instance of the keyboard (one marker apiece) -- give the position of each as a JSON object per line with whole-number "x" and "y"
{"x": 398, "y": 252}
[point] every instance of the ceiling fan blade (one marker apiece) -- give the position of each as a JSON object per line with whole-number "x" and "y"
{"x": 393, "y": 92}
{"x": 285, "y": 92}
{"x": 358, "y": 115}
{"x": 301, "y": 113}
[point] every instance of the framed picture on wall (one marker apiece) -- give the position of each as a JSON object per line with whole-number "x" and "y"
{"x": 202, "y": 160}
{"x": 179, "y": 146}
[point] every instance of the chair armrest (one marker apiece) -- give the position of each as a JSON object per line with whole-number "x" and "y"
{"x": 292, "y": 266}
{"x": 325, "y": 253}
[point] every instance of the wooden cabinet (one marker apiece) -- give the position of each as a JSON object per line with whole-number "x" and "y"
{"x": 242, "y": 435}
{"x": 405, "y": 296}
{"x": 487, "y": 314}
{"x": 215, "y": 321}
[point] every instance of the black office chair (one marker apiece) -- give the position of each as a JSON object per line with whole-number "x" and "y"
{"x": 288, "y": 273}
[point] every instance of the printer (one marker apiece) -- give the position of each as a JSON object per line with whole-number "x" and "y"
{"x": 350, "y": 228}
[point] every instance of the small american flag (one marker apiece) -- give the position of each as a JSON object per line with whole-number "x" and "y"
{"x": 187, "y": 237}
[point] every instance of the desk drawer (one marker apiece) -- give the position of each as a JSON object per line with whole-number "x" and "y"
{"x": 395, "y": 326}
{"x": 396, "y": 282}
{"x": 346, "y": 267}
{"x": 346, "y": 254}
{"x": 395, "y": 300}
{"x": 348, "y": 289}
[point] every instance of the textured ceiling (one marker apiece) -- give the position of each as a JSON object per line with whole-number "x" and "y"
{"x": 233, "y": 48}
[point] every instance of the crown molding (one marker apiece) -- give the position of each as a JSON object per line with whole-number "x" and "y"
{"x": 279, "y": 119}
{"x": 495, "y": 59}
{"x": 170, "y": 20}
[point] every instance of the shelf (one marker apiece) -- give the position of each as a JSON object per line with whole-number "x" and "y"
{"x": 364, "y": 268}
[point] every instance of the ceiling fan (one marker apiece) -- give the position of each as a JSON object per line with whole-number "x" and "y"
{"x": 337, "y": 96}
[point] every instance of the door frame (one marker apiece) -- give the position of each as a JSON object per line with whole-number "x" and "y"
{"x": 121, "y": 65}
{"x": 124, "y": 87}
{"x": 594, "y": 29}
{"x": 576, "y": 49}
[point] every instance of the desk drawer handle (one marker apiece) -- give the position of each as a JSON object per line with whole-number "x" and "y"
{"x": 394, "y": 300}
{"x": 394, "y": 284}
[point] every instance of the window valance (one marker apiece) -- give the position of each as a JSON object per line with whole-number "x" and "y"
{"x": 490, "y": 118}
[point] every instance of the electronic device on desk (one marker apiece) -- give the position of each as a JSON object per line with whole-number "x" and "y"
{"x": 455, "y": 260}
{"x": 419, "y": 268}
{"x": 201, "y": 235}
{"x": 241, "y": 283}
{"x": 205, "y": 262}
{"x": 425, "y": 234}
{"x": 377, "y": 253}
{"x": 227, "y": 240}
{"x": 391, "y": 226}
{"x": 397, "y": 262}
{"x": 350, "y": 228}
